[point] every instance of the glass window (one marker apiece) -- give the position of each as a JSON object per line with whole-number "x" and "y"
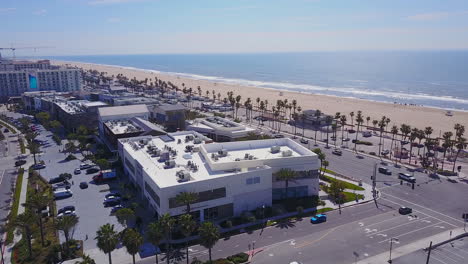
{"x": 249, "y": 181}
{"x": 257, "y": 180}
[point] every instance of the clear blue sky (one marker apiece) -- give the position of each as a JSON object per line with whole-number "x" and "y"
{"x": 231, "y": 26}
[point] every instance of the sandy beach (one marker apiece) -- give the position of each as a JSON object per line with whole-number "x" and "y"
{"x": 415, "y": 116}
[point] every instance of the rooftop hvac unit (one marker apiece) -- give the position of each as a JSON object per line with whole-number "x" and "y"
{"x": 183, "y": 175}
{"x": 287, "y": 153}
{"x": 169, "y": 164}
{"x": 197, "y": 141}
{"x": 222, "y": 153}
{"x": 275, "y": 149}
{"x": 188, "y": 138}
{"x": 196, "y": 149}
{"x": 164, "y": 156}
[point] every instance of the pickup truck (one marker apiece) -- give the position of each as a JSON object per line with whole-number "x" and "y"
{"x": 105, "y": 175}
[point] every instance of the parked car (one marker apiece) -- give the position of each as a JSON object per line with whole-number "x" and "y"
{"x": 279, "y": 136}
{"x": 319, "y": 218}
{"x": 38, "y": 166}
{"x": 385, "y": 171}
{"x": 62, "y": 185}
{"x": 57, "y": 180}
{"x": 20, "y": 163}
{"x": 6, "y": 130}
{"x": 116, "y": 208}
{"x": 337, "y": 152}
{"x": 61, "y": 194}
{"x": 113, "y": 194}
{"x": 83, "y": 185}
{"x": 385, "y": 152}
{"x": 405, "y": 210}
{"x": 112, "y": 202}
{"x": 92, "y": 170}
{"x": 67, "y": 210}
{"x": 77, "y": 171}
{"x": 406, "y": 177}
{"x": 84, "y": 166}
{"x": 304, "y": 141}
{"x": 44, "y": 211}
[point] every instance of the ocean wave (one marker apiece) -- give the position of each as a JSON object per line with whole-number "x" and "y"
{"x": 350, "y": 92}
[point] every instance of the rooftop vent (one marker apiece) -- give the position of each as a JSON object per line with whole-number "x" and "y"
{"x": 287, "y": 153}
{"x": 275, "y": 149}
{"x": 183, "y": 176}
{"x": 169, "y": 164}
{"x": 222, "y": 153}
{"x": 197, "y": 141}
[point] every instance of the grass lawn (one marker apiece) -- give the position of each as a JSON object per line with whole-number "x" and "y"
{"x": 22, "y": 147}
{"x": 346, "y": 184}
{"x": 14, "y": 208}
{"x": 349, "y": 197}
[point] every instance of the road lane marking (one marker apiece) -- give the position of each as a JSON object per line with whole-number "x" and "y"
{"x": 423, "y": 213}
{"x": 317, "y": 240}
{"x": 451, "y": 252}
{"x": 441, "y": 255}
{"x": 407, "y": 233}
{"x": 425, "y": 208}
{"x": 432, "y": 257}
{"x": 395, "y": 227}
{"x": 388, "y": 219}
{"x": 1, "y": 179}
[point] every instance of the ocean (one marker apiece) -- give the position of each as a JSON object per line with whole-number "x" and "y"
{"x": 430, "y": 78}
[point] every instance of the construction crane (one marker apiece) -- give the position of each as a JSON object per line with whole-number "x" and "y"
{"x": 13, "y": 49}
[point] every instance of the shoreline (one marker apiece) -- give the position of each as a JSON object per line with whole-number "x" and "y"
{"x": 414, "y": 115}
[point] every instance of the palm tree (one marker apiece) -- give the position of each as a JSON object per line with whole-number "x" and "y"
{"x": 359, "y": 120}
{"x": 447, "y": 144}
{"x": 394, "y": 131}
{"x": 351, "y": 115}
{"x": 187, "y": 227}
{"x": 125, "y": 216}
{"x": 86, "y": 259}
{"x": 374, "y": 123}
{"x": 286, "y": 175}
{"x": 187, "y": 198}
{"x": 367, "y": 121}
{"x": 303, "y": 119}
{"x": 405, "y": 130}
{"x": 209, "y": 236}
{"x": 336, "y": 192}
{"x": 34, "y": 148}
{"x": 421, "y": 136}
{"x": 167, "y": 224}
{"x": 334, "y": 128}
{"x": 328, "y": 121}
{"x": 35, "y": 203}
{"x": 107, "y": 239}
{"x": 295, "y": 117}
{"x": 460, "y": 144}
{"x": 343, "y": 124}
{"x": 412, "y": 138}
{"x": 132, "y": 240}
{"x": 25, "y": 222}
{"x": 320, "y": 155}
{"x": 66, "y": 224}
{"x": 317, "y": 115}
{"x": 155, "y": 235}
{"x": 382, "y": 125}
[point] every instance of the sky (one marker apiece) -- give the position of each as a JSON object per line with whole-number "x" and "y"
{"x": 86, "y": 27}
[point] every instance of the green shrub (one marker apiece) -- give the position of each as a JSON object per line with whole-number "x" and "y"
{"x": 447, "y": 173}
{"x": 228, "y": 224}
{"x": 219, "y": 114}
{"x": 220, "y": 261}
{"x": 239, "y": 258}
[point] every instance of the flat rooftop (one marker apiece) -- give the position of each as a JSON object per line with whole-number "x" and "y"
{"x": 122, "y": 126}
{"x": 176, "y": 145}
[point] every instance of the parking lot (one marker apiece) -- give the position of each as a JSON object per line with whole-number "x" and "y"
{"x": 88, "y": 202}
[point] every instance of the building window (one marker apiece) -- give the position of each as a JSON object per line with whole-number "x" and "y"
{"x": 202, "y": 197}
{"x": 153, "y": 194}
{"x": 253, "y": 180}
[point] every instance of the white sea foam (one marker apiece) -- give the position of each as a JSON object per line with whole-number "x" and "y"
{"x": 350, "y": 92}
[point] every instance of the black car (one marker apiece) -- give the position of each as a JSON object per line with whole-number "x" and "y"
{"x": 66, "y": 208}
{"x": 279, "y": 136}
{"x": 304, "y": 141}
{"x": 57, "y": 180}
{"x": 20, "y": 163}
{"x": 92, "y": 170}
{"x": 83, "y": 185}
{"x": 112, "y": 202}
{"x": 6, "y": 130}
{"x": 385, "y": 171}
{"x": 405, "y": 210}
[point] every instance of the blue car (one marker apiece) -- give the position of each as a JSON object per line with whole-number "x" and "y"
{"x": 319, "y": 218}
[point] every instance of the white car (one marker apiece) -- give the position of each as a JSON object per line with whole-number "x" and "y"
{"x": 85, "y": 166}
{"x": 77, "y": 171}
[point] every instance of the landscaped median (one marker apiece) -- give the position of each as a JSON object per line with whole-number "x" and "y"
{"x": 10, "y": 127}
{"x": 15, "y": 206}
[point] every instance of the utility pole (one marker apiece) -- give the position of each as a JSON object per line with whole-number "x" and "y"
{"x": 374, "y": 184}
{"x": 429, "y": 253}
{"x": 391, "y": 245}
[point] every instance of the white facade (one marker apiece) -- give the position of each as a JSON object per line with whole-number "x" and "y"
{"x": 219, "y": 129}
{"x": 227, "y": 185}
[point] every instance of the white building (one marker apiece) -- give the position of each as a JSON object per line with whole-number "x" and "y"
{"x": 230, "y": 178}
{"x": 219, "y": 129}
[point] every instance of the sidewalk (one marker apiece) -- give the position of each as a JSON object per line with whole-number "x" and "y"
{"x": 406, "y": 249}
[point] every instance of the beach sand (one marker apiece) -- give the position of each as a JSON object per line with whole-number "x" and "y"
{"x": 415, "y": 116}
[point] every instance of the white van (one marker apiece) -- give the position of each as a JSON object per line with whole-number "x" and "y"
{"x": 62, "y": 193}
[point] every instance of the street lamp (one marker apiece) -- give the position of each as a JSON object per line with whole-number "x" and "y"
{"x": 391, "y": 245}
